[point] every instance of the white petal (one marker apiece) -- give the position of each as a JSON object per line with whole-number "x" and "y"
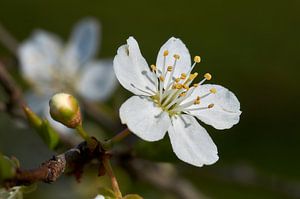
{"x": 82, "y": 45}
{"x": 99, "y": 197}
{"x": 174, "y": 46}
{"x": 97, "y": 80}
{"x": 132, "y": 69}
{"x": 39, "y": 56}
{"x": 226, "y": 110}
{"x": 144, "y": 118}
{"x": 191, "y": 143}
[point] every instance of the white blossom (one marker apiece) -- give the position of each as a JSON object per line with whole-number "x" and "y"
{"x": 51, "y": 67}
{"x": 167, "y": 100}
{"x": 99, "y": 197}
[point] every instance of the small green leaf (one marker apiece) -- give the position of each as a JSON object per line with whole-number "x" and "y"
{"x": 7, "y": 168}
{"x": 49, "y": 135}
{"x": 43, "y": 128}
{"x": 132, "y": 196}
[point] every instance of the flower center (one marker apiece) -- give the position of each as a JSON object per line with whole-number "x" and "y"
{"x": 174, "y": 93}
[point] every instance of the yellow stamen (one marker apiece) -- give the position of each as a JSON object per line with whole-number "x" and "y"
{"x": 176, "y": 56}
{"x": 197, "y": 100}
{"x": 195, "y": 85}
{"x": 161, "y": 78}
{"x": 186, "y": 87}
{"x": 197, "y": 59}
{"x": 193, "y": 76}
{"x": 153, "y": 67}
{"x": 182, "y": 94}
{"x": 183, "y": 76}
{"x": 213, "y": 90}
{"x": 166, "y": 53}
{"x": 210, "y": 106}
{"x": 177, "y": 80}
{"x": 179, "y": 86}
{"x": 169, "y": 68}
{"x": 207, "y": 76}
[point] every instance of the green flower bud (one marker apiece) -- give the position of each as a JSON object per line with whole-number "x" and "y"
{"x": 64, "y": 108}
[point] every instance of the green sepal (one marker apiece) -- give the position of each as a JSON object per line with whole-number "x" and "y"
{"x": 43, "y": 128}
{"x": 49, "y": 135}
{"x": 7, "y": 168}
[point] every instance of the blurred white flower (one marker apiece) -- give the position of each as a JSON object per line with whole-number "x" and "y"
{"x": 99, "y": 197}
{"x": 166, "y": 100}
{"x": 52, "y": 67}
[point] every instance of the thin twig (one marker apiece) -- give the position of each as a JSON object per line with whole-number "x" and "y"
{"x": 113, "y": 179}
{"x": 14, "y": 93}
{"x": 8, "y": 40}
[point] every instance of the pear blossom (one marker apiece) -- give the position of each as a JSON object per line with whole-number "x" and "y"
{"x": 168, "y": 100}
{"x": 51, "y": 67}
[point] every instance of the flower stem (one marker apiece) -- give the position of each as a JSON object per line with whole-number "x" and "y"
{"x": 82, "y": 132}
{"x": 117, "y": 138}
{"x": 92, "y": 144}
{"x": 113, "y": 179}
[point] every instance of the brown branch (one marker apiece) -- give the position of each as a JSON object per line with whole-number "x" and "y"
{"x": 49, "y": 171}
{"x": 11, "y": 88}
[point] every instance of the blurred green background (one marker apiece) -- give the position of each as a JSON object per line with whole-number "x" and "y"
{"x": 250, "y": 47}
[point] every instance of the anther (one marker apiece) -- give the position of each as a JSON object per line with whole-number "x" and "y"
{"x": 193, "y": 76}
{"x": 207, "y": 76}
{"x": 197, "y": 59}
{"x": 195, "y": 85}
{"x": 182, "y": 94}
{"x": 213, "y": 90}
{"x": 176, "y": 56}
{"x": 169, "y": 68}
{"x": 166, "y": 53}
{"x": 210, "y": 106}
{"x": 183, "y": 76}
{"x": 197, "y": 101}
{"x": 179, "y": 86}
{"x": 186, "y": 87}
{"x": 177, "y": 80}
{"x": 161, "y": 78}
{"x": 153, "y": 67}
